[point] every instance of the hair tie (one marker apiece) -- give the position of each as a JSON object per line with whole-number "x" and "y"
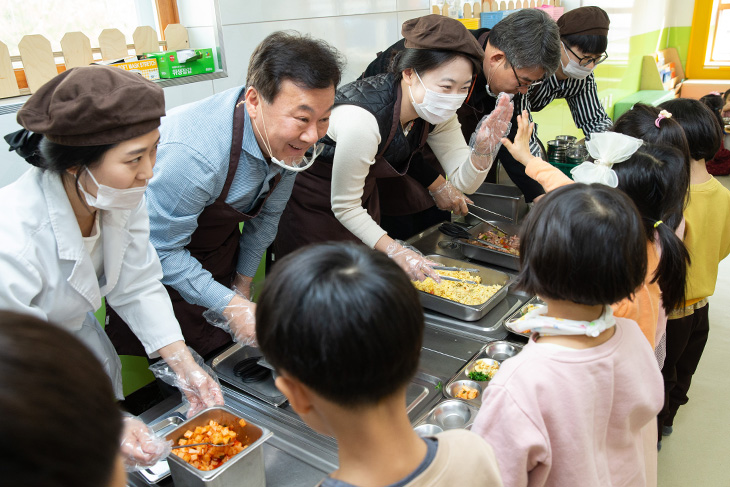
{"x": 662, "y": 114}
{"x": 26, "y": 144}
{"x": 658, "y": 222}
{"x": 716, "y": 93}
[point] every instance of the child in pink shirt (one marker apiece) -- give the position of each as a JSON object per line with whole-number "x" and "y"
{"x": 577, "y": 406}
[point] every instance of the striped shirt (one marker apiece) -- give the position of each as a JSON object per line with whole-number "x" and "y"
{"x": 192, "y": 165}
{"x": 582, "y": 97}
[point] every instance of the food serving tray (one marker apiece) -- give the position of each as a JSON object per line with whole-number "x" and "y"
{"x": 464, "y": 311}
{"x": 160, "y": 470}
{"x": 522, "y": 311}
{"x": 497, "y": 351}
{"x": 447, "y": 415}
{"x": 507, "y": 201}
{"x": 485, "y": 254}
{"x": 247, "y": 464}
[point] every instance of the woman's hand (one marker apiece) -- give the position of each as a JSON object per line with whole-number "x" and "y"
{"x": 409, "y": 259}
{"x": 447, "y": 197}
{"x": 140, "y": 446}
{"x": 487, "y": 138}
{"x": 520, "y": 148}
{"x": 189, "y": 374}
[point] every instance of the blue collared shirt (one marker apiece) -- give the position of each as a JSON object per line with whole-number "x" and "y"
{"x": 191, "y": 169}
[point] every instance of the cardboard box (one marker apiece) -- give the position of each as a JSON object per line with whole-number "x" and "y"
{"x": 145, "y": 67}
{"x": 186, "y": 62}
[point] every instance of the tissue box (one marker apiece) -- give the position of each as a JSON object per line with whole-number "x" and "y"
{"x": 145, "y": 67}
{"x": 186, "y": 62}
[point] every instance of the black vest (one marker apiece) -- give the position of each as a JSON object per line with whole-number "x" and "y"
{"x": 378, "y": 96}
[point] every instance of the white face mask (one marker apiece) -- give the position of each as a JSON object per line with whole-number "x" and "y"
{"x": 436, "y": 107}
{"x": 291, "y": 164}
{"x": 573, "y": 69}
{"x": 108, "y": 198}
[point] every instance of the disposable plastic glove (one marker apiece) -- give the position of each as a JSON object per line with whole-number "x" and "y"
{"x": 411, "y": 261}
{"x": 198, "y": 384}
{"x": 487, "y": 138}
{"x": 140, "y": 446}
{"x": 238, "y": 318}
{"x": 448, "y": 198}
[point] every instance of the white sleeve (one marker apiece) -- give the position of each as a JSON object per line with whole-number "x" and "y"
{"x": 448, "y": 144}
{"x": 355, "y": 130}
{"x": 139, "y": 297}
{"x": 20, "y": 285}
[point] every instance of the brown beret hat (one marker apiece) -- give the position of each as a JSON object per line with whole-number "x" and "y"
{"x": 444, "y": 33}
{"x": 584, "y": 21}
{"x": 94, "y": 105}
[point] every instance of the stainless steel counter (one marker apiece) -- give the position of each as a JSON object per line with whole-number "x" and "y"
{"x": 296, "y": 455}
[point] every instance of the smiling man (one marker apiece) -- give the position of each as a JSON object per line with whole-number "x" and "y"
{"x": 521, "y": 50}
{"x": 227, "y": 159}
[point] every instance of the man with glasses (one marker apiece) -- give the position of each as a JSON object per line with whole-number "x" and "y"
{"x": 583, "y": 42}
{"x": 522, "y": 50}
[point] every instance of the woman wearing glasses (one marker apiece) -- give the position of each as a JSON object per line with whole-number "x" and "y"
{"x": 377, "y": 129}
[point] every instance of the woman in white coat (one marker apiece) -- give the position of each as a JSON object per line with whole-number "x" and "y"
{"x": 75, "y": 227}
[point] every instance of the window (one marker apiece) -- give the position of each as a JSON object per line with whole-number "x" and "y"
{"x": 709, "y": 45}
{"x": 719, "y": 42}
{"x": 53, "y": 19}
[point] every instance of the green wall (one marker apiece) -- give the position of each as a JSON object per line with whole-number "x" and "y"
{"x": 617, "y": 78}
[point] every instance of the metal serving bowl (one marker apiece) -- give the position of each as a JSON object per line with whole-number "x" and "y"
{"x": 456, "y": 386}
{"x": 428, "y": 429}
{"x": 501, "y": 350}
{"x": 452, "y": 415}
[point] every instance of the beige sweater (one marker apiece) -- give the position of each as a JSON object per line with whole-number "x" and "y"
{"x": 462, "y": 459}
{"x": 356, "y": 132}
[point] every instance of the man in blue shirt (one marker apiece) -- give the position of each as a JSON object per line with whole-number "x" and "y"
{"x": 227, "y": 159}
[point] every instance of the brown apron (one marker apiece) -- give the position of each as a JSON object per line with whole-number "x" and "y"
{"x": 215, "y": 244}
{"x": 406, "y": 196}
{"x": 308, "y": 217}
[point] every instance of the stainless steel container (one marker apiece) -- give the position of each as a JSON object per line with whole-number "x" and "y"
{"x": 245, "y": 468}
{"x": 225, "y": 366}
{"x": 507, "y": 201}
{"x": 463, "y": 311}
{"x": 490, "y": 256}
{"x": 448, "y": 415}
{"x": 161, "y": 469}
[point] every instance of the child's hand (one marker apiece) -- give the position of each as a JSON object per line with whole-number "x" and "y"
{"x": 520, "y": 148}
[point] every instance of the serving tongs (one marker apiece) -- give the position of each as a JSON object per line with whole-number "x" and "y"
{"x": 448, "y": 278}
{"x": 447, "y": 268}
{"x": 456, "y": 231}
{"x": 499, "y": 230}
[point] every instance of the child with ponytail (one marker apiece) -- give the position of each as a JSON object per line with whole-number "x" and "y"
{"x": 656, "y": 179}
{"x": 707, "y": 238}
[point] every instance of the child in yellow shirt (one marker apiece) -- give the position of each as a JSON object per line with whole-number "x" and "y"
{"x": 707, "y": 237}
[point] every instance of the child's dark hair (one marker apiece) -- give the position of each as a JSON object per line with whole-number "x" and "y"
{"x": 703, "y": 130}
{"x": 640, "y": 122}
{"x": 655, "y": 179}
{"x": 54, "y": 390}
{"x": 343, "y": 319}
{"x": 585, "y": 244}
{"x": 589, "y": 44}
{"x": 715, "y": 104}
{"x": 423, "y": 60}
